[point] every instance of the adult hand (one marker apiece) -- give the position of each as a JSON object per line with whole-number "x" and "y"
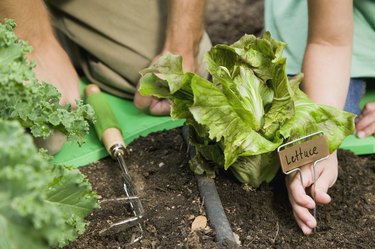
{"x": 52, "y": 63}
{"x": 326, "y": 175}
{"x": 54, "y": 66}
{"x": 365, "y": 124}
{"x": 158, "y": 106}
{"x": 183, "y": 36}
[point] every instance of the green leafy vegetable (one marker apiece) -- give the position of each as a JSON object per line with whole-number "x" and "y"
{"x": 249, "y": 108}
{"x": 41, "y": 205}
{"x": 33, "y": 103}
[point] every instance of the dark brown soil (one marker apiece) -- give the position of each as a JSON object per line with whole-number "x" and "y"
{"x": 261, "y": 218}
{"x": 227, "y": 21}
{"x": 159, "y": 167}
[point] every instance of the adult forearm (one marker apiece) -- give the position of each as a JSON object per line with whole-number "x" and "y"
{"x": 52, "y": 63}
{"x": 31, "y": 17}
{"x": 183, "y": 37}
{"x": 185, "y": 26}
{"x": 327, "y": 60}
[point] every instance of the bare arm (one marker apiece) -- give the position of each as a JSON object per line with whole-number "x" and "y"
{"x": 183, "y": 36}
{"x": 31, "y": 18}
{"x": 327, "y": 59}
{"x": 326, "y": 65}
{"x": 53, "y": 64}
{"x": 185, "y": 28}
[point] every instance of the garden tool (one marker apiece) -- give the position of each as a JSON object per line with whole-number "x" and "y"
{"x": 295, "y": 154}
{"x": 109, "y": 132}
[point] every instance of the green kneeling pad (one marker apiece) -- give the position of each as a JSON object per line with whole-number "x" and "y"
{"x": 361, "y": 146}
{"x": 133, "y": 123}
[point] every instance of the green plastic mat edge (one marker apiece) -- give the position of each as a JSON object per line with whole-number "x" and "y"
{"x": 357, "y": 145}
{"x": 134, "y": 124}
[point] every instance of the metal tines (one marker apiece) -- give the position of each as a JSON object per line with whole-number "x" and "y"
{"x": 110, "y": 133}
{"x": 117, "y": 152}
{"x": 321, "y": 148}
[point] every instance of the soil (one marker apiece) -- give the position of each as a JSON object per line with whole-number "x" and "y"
{"x": 260, "y": 218}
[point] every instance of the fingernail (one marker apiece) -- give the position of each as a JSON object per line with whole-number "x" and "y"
{"x": 310, "y": 223}
{"x": 306, "y": 231}
{"x": 361, "y": 134}
{"x": 328, "y": 198}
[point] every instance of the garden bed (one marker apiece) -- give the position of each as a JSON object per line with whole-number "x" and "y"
{"x": 260, "y": 218}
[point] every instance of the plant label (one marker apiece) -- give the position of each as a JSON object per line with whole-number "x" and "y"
{"x": 304, "y": 153}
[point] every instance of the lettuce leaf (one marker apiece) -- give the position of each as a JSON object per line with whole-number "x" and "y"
{"x": 248, "y": 109}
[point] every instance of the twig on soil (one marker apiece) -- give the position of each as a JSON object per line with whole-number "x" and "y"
{"x": 201, "y": 206}
{"x": 119, "y": 199}
{"x": 277, "y": 232}
{"x": 115, "y": 199}
{"x": 161, "y": 189}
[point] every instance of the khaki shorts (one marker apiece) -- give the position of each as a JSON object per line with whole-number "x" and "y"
{"x": 111, "y": 41}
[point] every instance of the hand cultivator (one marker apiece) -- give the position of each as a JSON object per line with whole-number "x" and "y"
{"x": 109, "y": 132}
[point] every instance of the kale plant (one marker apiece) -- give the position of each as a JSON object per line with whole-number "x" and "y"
{"x": 33, "y": 103}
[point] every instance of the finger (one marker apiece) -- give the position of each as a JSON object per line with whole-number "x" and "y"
{"x": 142, "y": 102}
{"x": 303, "y": 217}
{"x": 367, "y": 116}
{"x": 297, "y": 193}
{"x": 300, "y": 201}
{"x": 305, "y": 229}
{"x": 305, "y": 220}
{"x": 365, "y": 126}
{"x": 368, "y": 108}
{"x": 365, "y": 119}
{"x": 320, "y": 189}
{"x": 70, "y": 99}
{"x": 326, "y": 175}
{"x": 302, "y": 212}
{"x": 160, "y": 107}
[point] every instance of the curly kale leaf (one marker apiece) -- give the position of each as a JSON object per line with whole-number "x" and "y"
{"x": 41, "y": 205}
{"x": 33, "y": 103}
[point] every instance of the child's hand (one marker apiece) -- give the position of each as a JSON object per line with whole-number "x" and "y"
{"x": 301, "y": 201}
{"x": 365, "y": 124}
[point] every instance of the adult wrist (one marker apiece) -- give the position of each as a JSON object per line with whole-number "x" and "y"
{"x": 185, "y": 42}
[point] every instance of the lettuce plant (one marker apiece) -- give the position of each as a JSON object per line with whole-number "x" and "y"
{"x": 249, "y": 108}
{"x": 33, "y": 103}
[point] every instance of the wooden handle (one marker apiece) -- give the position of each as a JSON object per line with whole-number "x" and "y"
{"x": 112, "y": 137}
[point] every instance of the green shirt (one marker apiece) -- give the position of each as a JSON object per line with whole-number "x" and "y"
{"x": 287, "y": 21}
